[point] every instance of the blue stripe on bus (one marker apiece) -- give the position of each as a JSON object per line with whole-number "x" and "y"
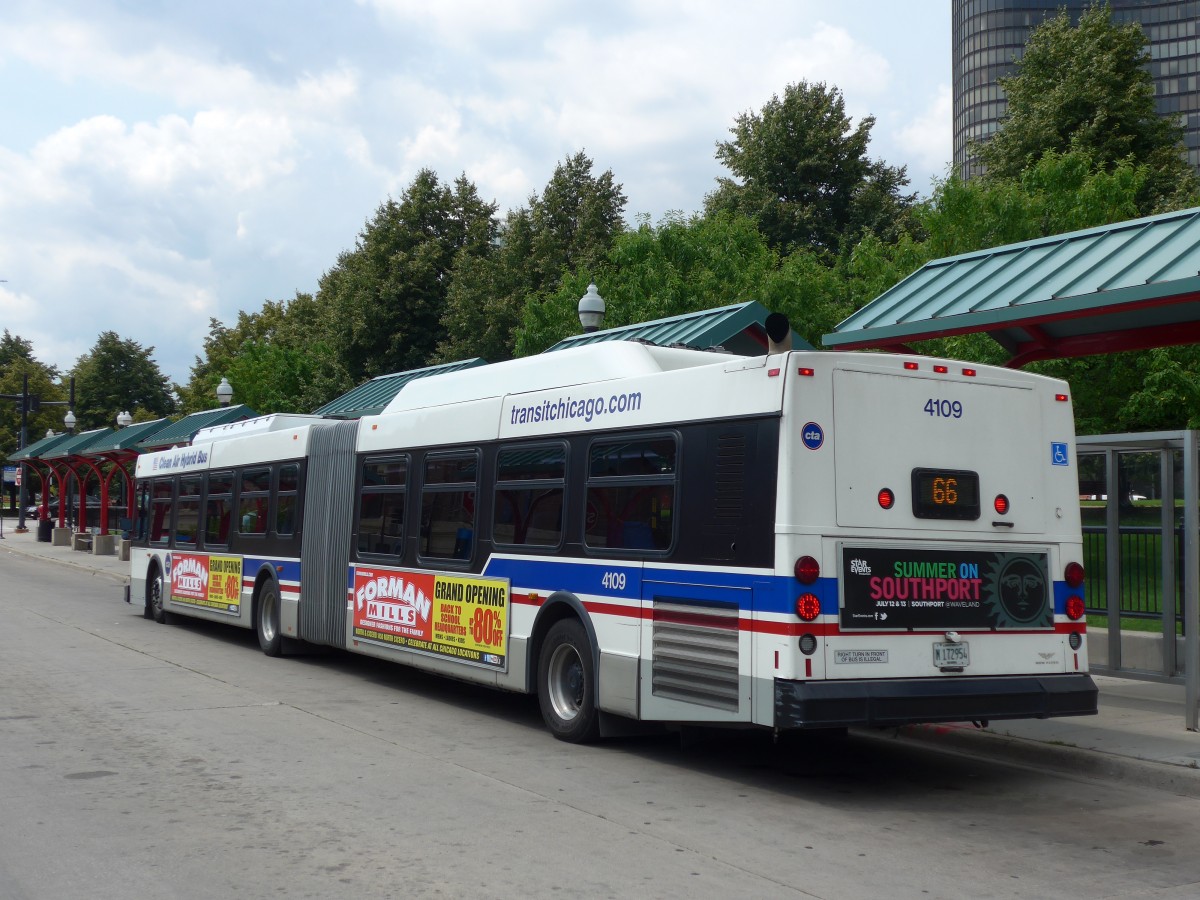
{"x": 288, "y": 569}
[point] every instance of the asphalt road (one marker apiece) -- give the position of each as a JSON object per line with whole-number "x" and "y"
{"x": 148, "y": 761}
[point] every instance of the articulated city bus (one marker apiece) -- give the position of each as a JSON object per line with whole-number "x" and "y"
{"x": 798, "y": 540}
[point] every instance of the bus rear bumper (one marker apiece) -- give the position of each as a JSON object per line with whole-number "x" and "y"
{"x": 834, "y": 704}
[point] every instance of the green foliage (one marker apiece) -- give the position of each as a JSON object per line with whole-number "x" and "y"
{"x": 1088, "y": 89}
{"x": 568, "y": 228}
{"x": 383, "y": 302}
{"x": 117, "y": 375}
{"x": 16, "y": 361}
{"x": 279, "y": 359}
{"x": 802, "y": 173}
{"x": 680, "y": 266}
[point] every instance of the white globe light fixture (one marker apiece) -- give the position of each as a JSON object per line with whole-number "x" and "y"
{"x": 124, "y": 419}
{"x": 591, "y": 310}
{"x": 224, "y": 392}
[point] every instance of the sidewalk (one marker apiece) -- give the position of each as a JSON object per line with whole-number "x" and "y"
{"x": 1138, "y": 737}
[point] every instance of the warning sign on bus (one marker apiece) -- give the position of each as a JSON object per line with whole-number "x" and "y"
{"x": 463, "y": 617}
{"x": 208, "y": 582}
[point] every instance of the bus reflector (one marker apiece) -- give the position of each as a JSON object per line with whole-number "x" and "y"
{"x": 807, "y": 570}
{"x": 1001, "y": 504}
{"x": 886, "y": 498}
{"x": 806, "y": 372}
{"x": 970, "y": 373}
{"x": 1074, "y": 607}
{"x": 772, "y": 373}
{"x": 808, "y": 607}
{"x": 911, "y": 366}
{"x": 941, "y": 370}
{"x": 1061, "y": 398}
{"x": 1073, "y": 574}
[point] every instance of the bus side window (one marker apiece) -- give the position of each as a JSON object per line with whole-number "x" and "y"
{"x": 286, "y": 499}
{"x": 253, "y": 501}
{"x": 218, "y": 514}
{"x": 381, "y": 499}
{"x": 448, "y": 505}
{"x": 528, "y": 502}
{"x": 631, "y": 493}
{"x": 163, "y": 493}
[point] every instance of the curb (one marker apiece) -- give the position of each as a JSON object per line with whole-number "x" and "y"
{"x": 96, "y": 573}
{"x": 1076, "y": 761}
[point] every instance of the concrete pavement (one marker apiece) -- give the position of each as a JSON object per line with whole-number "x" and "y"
{"x": 1138, "y": 736}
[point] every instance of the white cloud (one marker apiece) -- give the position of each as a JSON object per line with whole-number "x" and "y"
{"x": 928, "y": 139}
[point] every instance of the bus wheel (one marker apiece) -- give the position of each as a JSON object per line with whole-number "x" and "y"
{"x": 266, "y": 618}
{"x": 567, "y": 684}
{"x": 155, "y": 594}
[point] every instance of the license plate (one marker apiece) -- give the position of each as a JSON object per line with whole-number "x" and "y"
{"x": 945, "y": 655}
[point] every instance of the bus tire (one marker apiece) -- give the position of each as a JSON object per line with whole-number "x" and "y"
{"x": 156, "y": 596}
{"x": 567, "y": 683}
{"x": 266, "y": 618}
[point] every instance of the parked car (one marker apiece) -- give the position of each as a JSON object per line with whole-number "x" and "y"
{"x": 115, "y": 511}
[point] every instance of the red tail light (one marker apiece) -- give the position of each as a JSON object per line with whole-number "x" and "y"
{"x": 808, "y": 607}
{"x": 1001, "y": 504}
{"x": 1073, "y": 575}
{"x": 1075, "y": 608}
{"x": 807, "y": 570}
{"x": 886, "y": 498}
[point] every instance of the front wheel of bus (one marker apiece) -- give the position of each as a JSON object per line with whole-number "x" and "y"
{"x": 567, "y": 684}
{"x": 270, "y": 638}
{"x": 155, "y": 594}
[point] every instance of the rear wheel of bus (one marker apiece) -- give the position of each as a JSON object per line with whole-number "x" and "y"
{"x": 567, "y": 683}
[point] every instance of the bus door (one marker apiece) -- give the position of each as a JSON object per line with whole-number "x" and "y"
{"x": 695, "y": 653}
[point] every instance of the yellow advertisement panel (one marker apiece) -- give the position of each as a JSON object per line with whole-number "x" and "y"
{"x": 209, "y": 582}
{"x": 462, "y": 617}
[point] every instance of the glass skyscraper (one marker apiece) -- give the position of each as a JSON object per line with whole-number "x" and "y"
{"x": 989, "y": 34}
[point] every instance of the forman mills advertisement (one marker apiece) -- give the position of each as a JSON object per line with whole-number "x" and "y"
{"x": 210, "y": 582}
{"x": 461, "y": 617}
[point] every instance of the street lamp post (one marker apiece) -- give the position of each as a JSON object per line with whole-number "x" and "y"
{"x": 224, "y": 392}
{"x": 591, "y": 310}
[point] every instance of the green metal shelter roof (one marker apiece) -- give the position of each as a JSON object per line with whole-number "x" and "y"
{"x": 127, "y": 438}
{"x": 185, "y": 429}
{"x": 38, "y": 447}
{"x": 737, "y": 328}
{"x": 1127, "y": 286}
{"x": 369, "y": 399}
{"x": 75, "y": 445}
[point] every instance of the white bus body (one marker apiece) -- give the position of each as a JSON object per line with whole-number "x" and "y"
{"x": 798, "y": 540}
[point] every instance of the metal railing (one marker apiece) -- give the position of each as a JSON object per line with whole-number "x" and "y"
{"x": 1141, "y": 572}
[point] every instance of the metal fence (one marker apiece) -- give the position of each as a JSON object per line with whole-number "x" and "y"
{"x": 1141, "y": 572}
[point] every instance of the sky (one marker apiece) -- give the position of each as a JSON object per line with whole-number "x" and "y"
{"x": 164, "y": 163}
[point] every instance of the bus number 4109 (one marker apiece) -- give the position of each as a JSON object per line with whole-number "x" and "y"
{"x": 944, "y": 409}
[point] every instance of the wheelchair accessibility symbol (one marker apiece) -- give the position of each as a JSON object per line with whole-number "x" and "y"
{"x": 1058, "y": 454}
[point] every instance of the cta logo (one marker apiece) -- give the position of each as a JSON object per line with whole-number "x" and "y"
{"x": 812, "y": 435}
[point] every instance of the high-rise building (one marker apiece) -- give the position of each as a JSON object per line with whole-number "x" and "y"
{"x": 990, "y": 34}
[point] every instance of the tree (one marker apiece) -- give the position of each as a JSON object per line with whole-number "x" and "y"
{"x": 18, "y": 367}
{"x": 682, "y": 265}
{"x": 567, "y": 229}
{"x": 1088, "y": 88}
{"x": 279, "y": 359}
{"x": 117, "y": 375}
{"x": 384, "y": 300}
{"x": 804, "y": 176}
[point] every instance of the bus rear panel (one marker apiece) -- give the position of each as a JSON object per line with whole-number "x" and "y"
{"x": 929, "y": 512}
